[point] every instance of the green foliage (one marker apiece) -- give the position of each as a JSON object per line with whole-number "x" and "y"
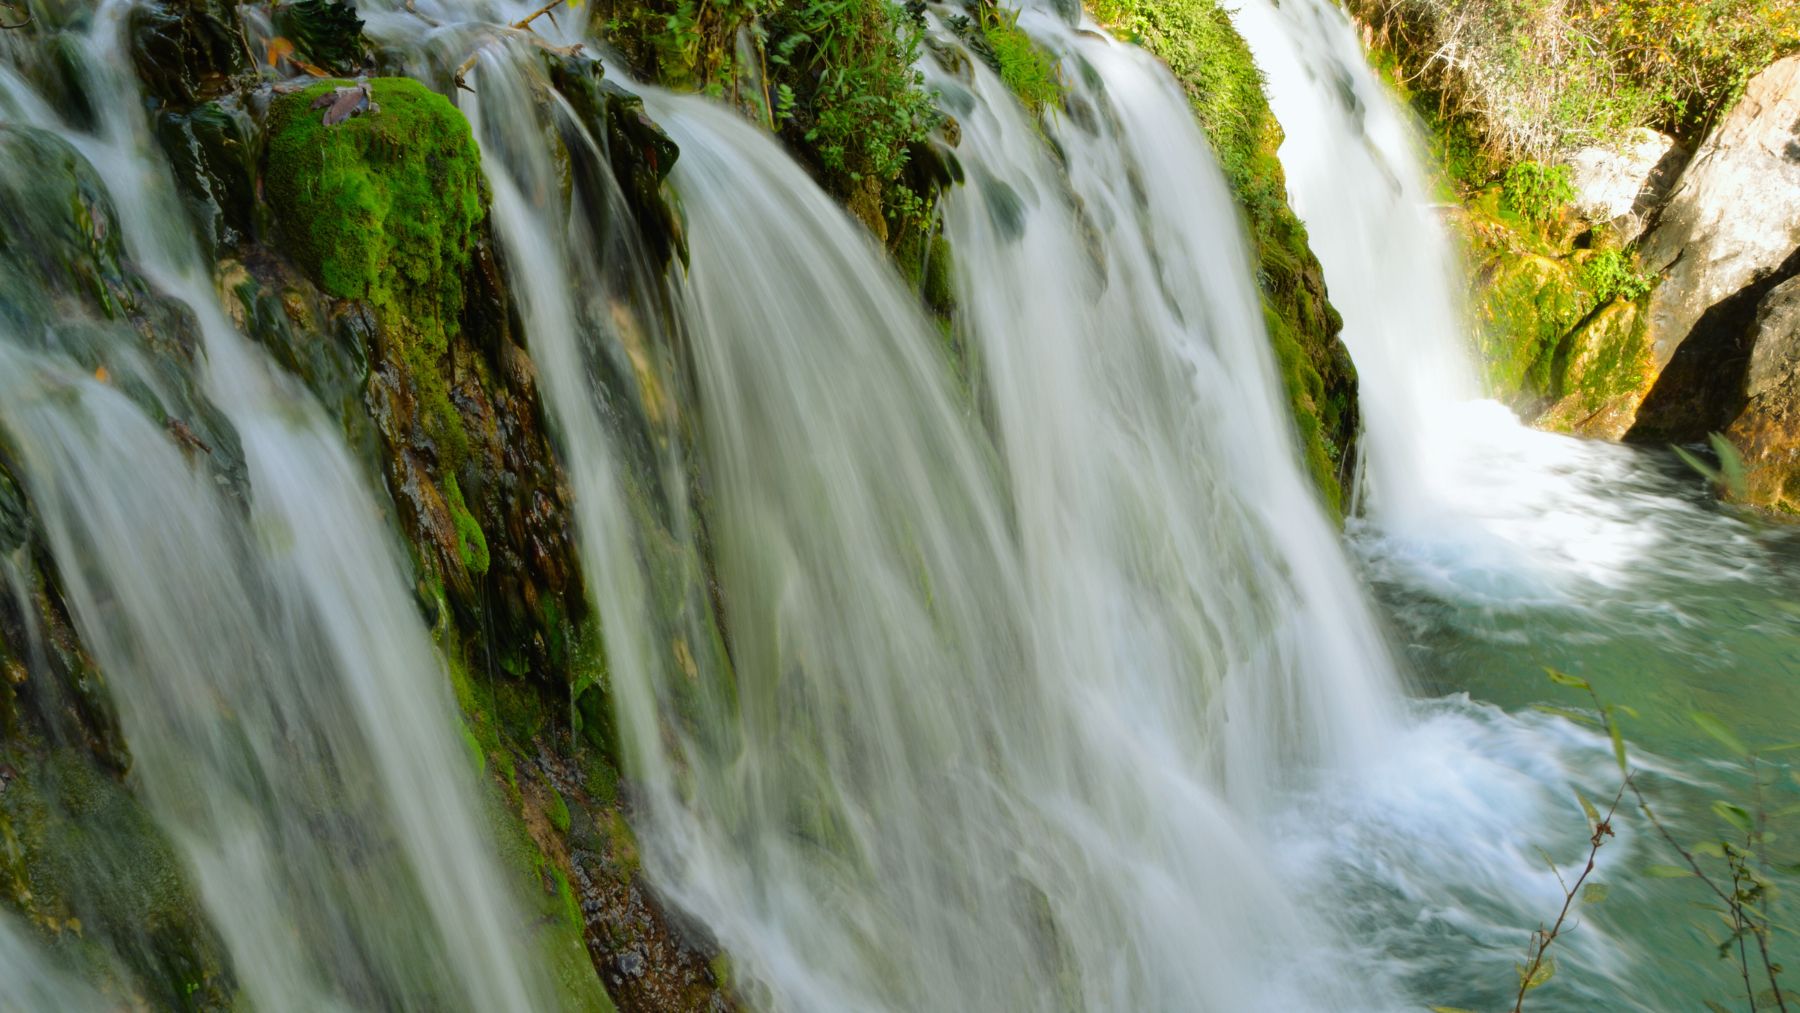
{"x": 1546, "y": 76}
{"x": 1025, "y": 68}
{"x": 1736, "y": 867}
{"x": 1537, "y": 192}
{"x": 1613, "y": 274}
{"x": 859, "y": 102}
{"x": 840, "y": 78}
{"x": 384, "y": 207}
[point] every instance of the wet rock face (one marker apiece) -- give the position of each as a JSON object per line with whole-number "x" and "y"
{"x": 211, "y": 152}
{"x": 380, "y": 289}
{"x": 1735, "y": 215}
{"x": 1767, "y": 432}
{"x": 66, "y": 288}
{"x": 639, "y": 155}
{"x": 187, "y": 51}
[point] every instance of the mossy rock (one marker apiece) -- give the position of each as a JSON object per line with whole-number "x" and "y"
{"x": 385, "y": 207}
{"x": 1603, "y": 371}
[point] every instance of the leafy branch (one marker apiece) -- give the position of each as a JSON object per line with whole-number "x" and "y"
{"x": 1745, "y": 901}
{"x": 1541, "y": 968}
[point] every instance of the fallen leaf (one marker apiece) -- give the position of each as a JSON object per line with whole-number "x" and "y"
{"x": 278, "y": 49}
{"x": 343, "y": 103}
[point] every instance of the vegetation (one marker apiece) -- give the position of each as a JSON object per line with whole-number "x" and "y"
{"x": 1546, "y": 76}
{"x": 383, "y": 207}
{"x": 1735, "y": 869}
{"x": 1537, "y": 192}
{"x": 836, "y": 77}
{"x": 1025, "y": 68}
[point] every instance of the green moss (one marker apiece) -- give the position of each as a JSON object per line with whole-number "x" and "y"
{"x": 471, "y": 544}
{"x": 384, "y": 207}
{"x": 558, "y": 811}
{"x": 1024, "y": 68}
{"x": 1306, "y": 399}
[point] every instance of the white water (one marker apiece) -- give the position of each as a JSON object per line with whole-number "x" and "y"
{"x": 1461, "y": 496}
{"x": 291, "y": 724}
{"x": 997, "y": 721}
{"x": 29, "y": 982}
{"x": 1014, "y": 720}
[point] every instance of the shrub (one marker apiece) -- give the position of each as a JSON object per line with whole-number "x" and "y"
{"x": 1537, "y": 192}
{"x": 1548, "y": 76}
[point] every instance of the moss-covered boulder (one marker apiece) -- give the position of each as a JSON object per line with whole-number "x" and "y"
{"x": 1559, "y": 314}
{"x": 383, "y": 208}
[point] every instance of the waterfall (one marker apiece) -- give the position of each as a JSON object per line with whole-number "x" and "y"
{"x": 291, "y": 724}
{"x": 29, "y": 982}
{"x": 1000, "y": 711}
{"x": 1461, "y": 496}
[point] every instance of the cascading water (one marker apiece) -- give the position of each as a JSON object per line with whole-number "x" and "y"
{"x": 290, "y": 722}
{"x": 1500, "y": 550}
{"x": 1066, "y": 700}
{"x": 1460, "y": 494}
{"x": 996, "y": 722}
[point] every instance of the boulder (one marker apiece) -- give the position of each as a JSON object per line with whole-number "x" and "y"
{"x": 1735, "y": 215}
{"x": 1767, "y": 431}
{"x": 1620, "y": 183}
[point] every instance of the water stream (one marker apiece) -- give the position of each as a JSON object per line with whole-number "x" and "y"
{"x": 1054, "y": 690}
{"x": 291, "y": 724}
{"x": 1498, "y": 550}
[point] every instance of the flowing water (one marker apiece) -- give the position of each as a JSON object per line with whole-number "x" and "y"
{"x": 1499, "y": 550}
{"x": 290, "y": 721}
{"x": 1049, "y": 689}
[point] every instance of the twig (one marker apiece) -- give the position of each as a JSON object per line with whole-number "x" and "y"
{"x": 524, "y": 23}
{"x": 412, "y": 8}
{"x": 22, "y": 24}
{"x": 463, "y": 68}
{"x": 1731, "y": 902}
{"x": 1542, "y": 939}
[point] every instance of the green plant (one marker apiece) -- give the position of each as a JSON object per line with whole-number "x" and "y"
{"x": 1025, "y": 68}
{"x": 1545, "y": 76}
{"x": 1613, "y": 274}
{"x": 1736, "y": 869}
{"x": 1537, "y": 192}
{"x": 853, "y": 94}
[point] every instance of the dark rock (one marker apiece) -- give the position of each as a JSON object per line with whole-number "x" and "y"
{"x": 639, "y": 154}
{"x": 211, "y": 151}
{"x": 187, "y": 51}
{"x": 1767, "y": 431}
{"x": 325, "y": 33}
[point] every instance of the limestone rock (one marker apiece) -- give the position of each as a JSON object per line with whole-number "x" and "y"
{"x": 1735, "y": 216}
{"x": 1767, "y": 432}
{"x": 1621, "y": 182}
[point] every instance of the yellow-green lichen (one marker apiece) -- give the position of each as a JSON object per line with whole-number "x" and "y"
{"x": 384, "y": 207}
{"x": 471, "y": 544}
